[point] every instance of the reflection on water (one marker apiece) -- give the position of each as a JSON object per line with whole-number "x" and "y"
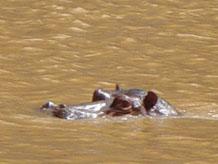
{"x": 63, "y": 50}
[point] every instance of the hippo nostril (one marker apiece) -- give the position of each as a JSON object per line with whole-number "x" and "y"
{"x": 48, "y": 105}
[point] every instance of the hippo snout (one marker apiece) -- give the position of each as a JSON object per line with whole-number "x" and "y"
{"x": 48, "y": 105}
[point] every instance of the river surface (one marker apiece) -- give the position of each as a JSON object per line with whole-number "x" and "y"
{"x": 61, "y": 50}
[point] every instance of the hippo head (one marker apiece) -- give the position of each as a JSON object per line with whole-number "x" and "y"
{"x": 150, "y": 100}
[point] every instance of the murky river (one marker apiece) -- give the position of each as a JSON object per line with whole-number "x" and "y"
{"x": 63, "y": 50}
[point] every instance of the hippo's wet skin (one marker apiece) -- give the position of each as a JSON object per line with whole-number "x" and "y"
{"x": 73, "y": 112}
{"x": 117, "y": 102}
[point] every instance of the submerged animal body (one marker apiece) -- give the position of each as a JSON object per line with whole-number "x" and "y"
{"x": 117, "y": 102}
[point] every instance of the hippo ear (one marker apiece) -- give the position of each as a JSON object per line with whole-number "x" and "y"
{"x": 150, "y": 100}
{"x": 97, "y": 96}
{"x": 117, "y": 87}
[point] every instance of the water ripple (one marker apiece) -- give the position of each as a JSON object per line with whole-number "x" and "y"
{"x": 63, "y": 50}
{"x": 196, "y": 36}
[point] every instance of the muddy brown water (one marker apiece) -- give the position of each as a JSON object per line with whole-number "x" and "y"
{"x": 63, "y": 50}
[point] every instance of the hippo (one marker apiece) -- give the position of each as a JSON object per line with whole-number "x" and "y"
{"x": 152, "y": 104}
{"x": 116, "y": 102}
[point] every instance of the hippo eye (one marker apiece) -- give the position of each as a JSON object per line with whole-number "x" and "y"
{"x": 120, "y": 102}
{"x": 125, "y": 104}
